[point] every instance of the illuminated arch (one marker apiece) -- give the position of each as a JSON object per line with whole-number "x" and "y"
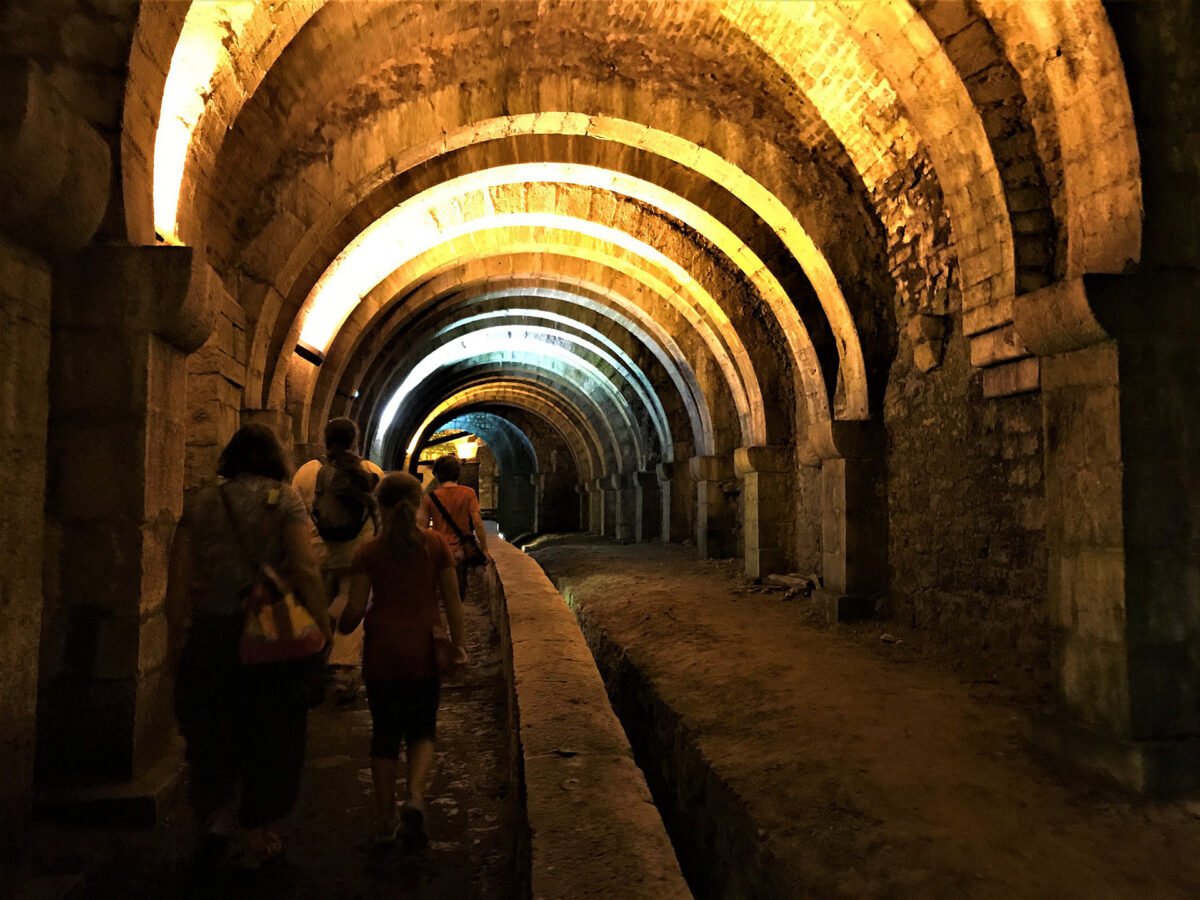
{"x": 345, "y": 372}
{"x": 422, "y": 221}
{"x": 686, "y": 299}
{"x": 535, "y": 348}
{"x": 621, "y": 446}
{"x": 575, "y": 429}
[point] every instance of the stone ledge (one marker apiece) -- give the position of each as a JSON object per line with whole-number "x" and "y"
{"x": 594, "y": 831}
{"x": 1146, "y": 767}
{"x": 137, "y": 803}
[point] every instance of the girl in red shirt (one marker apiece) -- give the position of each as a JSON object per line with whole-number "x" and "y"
{"x": 402, "y": 571}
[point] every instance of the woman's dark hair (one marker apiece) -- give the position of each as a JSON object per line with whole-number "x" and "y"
{"x": 446, "y": 468}
{"x": 253, "y": 450}
{"x": 399, "y": 498}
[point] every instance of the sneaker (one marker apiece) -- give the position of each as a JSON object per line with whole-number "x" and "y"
{"x": 253, "y": 855}
{"x": 412, "y": 814}
{"x": 385, "y": 833}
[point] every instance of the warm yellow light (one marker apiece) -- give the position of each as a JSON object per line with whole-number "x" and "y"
{"x": 210, "y": 31}
{"x": 446, "y": 211}
{"x": 467, "y": 450}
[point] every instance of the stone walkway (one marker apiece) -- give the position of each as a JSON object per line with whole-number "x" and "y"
{"x": 327, "y": 848}
{"x": 794, "y": 760}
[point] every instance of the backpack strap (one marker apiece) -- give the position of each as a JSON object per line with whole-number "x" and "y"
{"x": 463, "y": 538}
{"x": 320, "y": 481}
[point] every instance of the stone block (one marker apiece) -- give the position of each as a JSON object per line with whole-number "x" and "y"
{"x": 762, "y": 459}
{"x": 1093, "y": 598}
{"x": 98, "y": 470}
{"x": 1012, "y": 378}
{"x": 1094, "y": 683}
{"x": 1147, "y": 767}
{"x": 710, "y": 468}
{"x": 834, "y": 607}
{"x": 59, "y": 168}
{"x": 997, "y": 346}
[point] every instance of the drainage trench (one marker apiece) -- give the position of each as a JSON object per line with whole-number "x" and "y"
{"x": 715, "y": 839}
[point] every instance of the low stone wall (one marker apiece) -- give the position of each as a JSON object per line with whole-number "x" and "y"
{"x": 593, "y": 829}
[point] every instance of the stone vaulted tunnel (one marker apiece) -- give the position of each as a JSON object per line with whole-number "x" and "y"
{"x": 894, "y": 295}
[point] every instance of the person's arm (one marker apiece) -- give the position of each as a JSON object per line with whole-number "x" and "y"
{"x": 448, "y": 584}
{"x": 181, "y": 574}
{"x": 477, "y": 524}
{"x": 356, "y": 605}
{"x": 306, "y": 577}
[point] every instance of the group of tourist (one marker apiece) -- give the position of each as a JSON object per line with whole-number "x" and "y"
{"x": 262, "y": 573}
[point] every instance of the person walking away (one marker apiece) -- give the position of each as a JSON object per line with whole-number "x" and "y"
{"x": 338, "y": 490}
{"x": 402, "y": 572}
{"x": 244, "y": 725}
{"x": 462, "y": 504}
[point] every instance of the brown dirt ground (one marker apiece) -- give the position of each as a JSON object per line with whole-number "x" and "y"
{"x": 872, "y": 769}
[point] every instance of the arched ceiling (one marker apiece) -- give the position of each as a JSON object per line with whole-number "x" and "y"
{"x": 665, "y": 229}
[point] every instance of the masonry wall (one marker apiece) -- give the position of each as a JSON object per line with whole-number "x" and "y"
{"x": 24, "y": 364}
{"x": 216, "y": 376}
{"x": 966, "y": 528}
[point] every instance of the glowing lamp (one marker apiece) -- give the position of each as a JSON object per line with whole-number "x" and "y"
{"x": 467, "y": 450}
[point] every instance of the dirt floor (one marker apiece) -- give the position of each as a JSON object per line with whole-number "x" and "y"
{"x": 869, "y": 765}
{"x": 327, "y": 851}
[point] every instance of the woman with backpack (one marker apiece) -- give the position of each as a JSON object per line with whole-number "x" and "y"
{"x": 402, "y": 571}
{"x": 243, "y": 718}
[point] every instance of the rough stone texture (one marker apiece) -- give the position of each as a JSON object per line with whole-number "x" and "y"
{"x": 24, "y": 368}
{"x": 593, "y": 828}
{"x": 56, "y": 167}
{"x": 216, "y": 376}
{"x": 966, "y": 520}
{"x": 795, "y": 761}
{"x": 114, "y": 492}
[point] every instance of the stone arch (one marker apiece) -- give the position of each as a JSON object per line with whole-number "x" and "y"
{"x": 594, "y": 355}
{"x": 546, "y": 295}
{"x": 582, "y": 364}
{"x": 603, "y": 264}
{"x": 576, "y": 431}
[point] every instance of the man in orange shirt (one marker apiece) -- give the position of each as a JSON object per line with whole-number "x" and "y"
{"x": 462, "y": 504}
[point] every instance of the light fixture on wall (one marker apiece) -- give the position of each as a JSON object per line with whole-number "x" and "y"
{"x": 467, "y": 449}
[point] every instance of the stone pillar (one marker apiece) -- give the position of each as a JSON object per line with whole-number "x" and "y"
{"x": 624, "y": 493}
{"x": 1120, "y": 375}
{"x": 715, "y": 510}
{"x": 766, "y": 474}
{"x": 854, "y": 533}
{"x": 674, "y": 484}
{"x": 595, "y": 507}
{"x": 606, "y": 490}
{"x": 124, "y": 319}
{"x": 57, "y": 177}
{"x": 538, "y": 480}
{"x": 24, "y": 364}
{"x": 648, "y": 503}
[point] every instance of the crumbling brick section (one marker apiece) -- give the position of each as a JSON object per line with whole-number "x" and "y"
{"x": 966, "y": 511}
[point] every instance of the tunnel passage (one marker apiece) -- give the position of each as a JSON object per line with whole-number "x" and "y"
{"x": 894, "y": 295}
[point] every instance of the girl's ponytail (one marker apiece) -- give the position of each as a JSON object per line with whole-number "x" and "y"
{"x": 399, "y": 498}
